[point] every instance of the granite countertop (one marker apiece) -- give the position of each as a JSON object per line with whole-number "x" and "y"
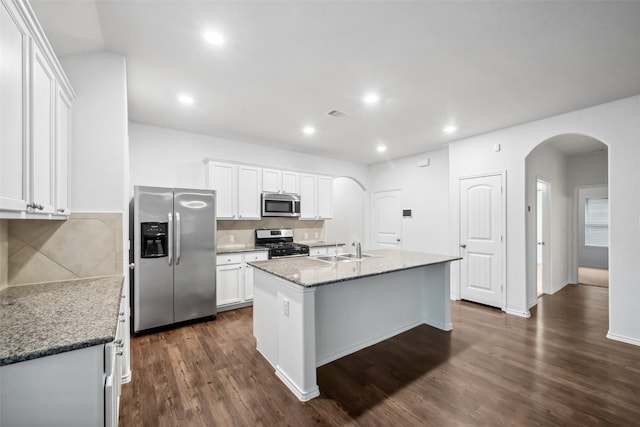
{"x": 238, "y": 248}
{"x": 49, "y": 318}
{"x": 311, "y": 271}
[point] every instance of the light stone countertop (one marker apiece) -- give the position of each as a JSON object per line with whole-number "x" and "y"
{"x": 49, "y": 318}
{"x": 310, "y": 271}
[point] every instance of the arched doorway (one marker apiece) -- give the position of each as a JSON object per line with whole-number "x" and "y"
{"x": 561, "y": 175}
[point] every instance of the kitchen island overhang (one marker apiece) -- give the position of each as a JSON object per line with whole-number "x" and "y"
{"x": 308, "y": 312}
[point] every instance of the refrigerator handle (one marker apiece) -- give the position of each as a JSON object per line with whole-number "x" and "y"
{"x": 178, "y": 236}
{"x": 170, "y": 239}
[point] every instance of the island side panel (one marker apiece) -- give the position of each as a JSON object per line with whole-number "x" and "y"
{"x": 355, "y": 314}
{"x": 437, "y": 303}
{"x": 287, "y": 336}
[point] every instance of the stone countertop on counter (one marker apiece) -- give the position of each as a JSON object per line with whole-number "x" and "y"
{"x": 238, "y": 248}
{"x": 48, "y": 318}
{"x": 312, "y": 271}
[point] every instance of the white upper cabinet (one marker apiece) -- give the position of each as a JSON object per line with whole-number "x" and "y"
{"x": 237, "y": 189}
{"x": 34, "y": 122}
{"x": 325, "y": 197}
{"x": 63, "y": 140}
{"x": 308, "y": 196}
{"x": 42, "y": 168}
{"x": 316, "y": 197}
{"x": 290, "y": 182}
{"x": 13, "y": 110}
{"x": 222, "y": 178}
{"x": 249, "y": 185}
{"x": 278, "y": 181}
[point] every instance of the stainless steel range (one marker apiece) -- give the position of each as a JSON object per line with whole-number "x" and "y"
{"x": 280, "y": 243}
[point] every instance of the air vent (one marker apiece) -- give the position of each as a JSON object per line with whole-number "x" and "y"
{"x": 337, "y": 113}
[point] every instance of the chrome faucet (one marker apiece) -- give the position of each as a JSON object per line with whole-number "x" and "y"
{"x": 358, "y": 249}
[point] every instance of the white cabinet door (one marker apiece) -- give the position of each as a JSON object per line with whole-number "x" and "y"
{"x": 249, "y": 188}
{"x": 248, "y": 282}
{"x": 308, "y": 196}
{"x": 290, "y": 182}
{"x": 222, "y": 178}
{"x": 13, "y": 111}
{"x": 42, "y": 133}
{"x": 63, "y": 133}
{"x": 271, "y": 180}
{"x": 229, "y": 282}
{"x": 325, "y": 197}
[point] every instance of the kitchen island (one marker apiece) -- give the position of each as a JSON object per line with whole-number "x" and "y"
{"x": 309, "y": 311}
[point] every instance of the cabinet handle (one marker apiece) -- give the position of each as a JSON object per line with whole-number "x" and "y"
{"x": 60, "y": 210}
{"x": 121, "y": 313}
{"x": 119, "y": 353}
{"x": 123, "y": 320}
{"x": 118, "y": 342}
{"x": 39, "y": 207}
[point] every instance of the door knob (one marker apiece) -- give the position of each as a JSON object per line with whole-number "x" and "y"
{"x": 398, "y": 239}
{"x": 541, "y": 243}
{"x": 463, "y": 246}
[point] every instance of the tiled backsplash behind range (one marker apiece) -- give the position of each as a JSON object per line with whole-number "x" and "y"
{"x": 242, "y": 233}
{"x": 85, "y": 245}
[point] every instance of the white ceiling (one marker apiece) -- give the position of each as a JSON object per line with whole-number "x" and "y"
{"x": 482, "y": 65}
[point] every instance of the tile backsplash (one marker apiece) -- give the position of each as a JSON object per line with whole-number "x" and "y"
{"x": 242, "y": 233}
{"x": 85, "y": 245}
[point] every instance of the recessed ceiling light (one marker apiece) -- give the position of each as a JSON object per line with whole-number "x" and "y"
{"x": 449, "y": 129}
{"x": 371, "y": 98}
{"x": 185, "y": 99}
{"x": 213, "y": 38}
{"x": 308, "y": 130}
{"x": 381, "y": 148}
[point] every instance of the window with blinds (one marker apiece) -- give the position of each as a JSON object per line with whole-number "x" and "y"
{"x": 596, "y": 224}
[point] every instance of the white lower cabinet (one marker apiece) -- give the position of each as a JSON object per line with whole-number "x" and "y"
{"x": 325, "y": 250}
{"x": 234, "y": 279}
{"x": 75, "y": 388}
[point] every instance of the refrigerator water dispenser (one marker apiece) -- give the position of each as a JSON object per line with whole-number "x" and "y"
{"x": 153, "y": 239}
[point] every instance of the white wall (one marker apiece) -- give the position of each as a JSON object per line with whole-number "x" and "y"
{"x": 425, "y": 190}
{"x": 547, "y": 163}
{"x": 167, "y": 157}
{"x": 99, "y": 150}
{"x": 617, "y": 124}
{"x": 349, "y": 211}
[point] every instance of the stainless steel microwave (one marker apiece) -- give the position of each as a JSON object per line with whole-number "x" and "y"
{"x": 280, "y": 204}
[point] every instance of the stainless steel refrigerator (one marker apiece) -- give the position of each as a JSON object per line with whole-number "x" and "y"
{"x": 174, "y": 241}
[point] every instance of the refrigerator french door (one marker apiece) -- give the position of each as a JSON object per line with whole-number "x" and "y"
{"x": 174, "y": 256}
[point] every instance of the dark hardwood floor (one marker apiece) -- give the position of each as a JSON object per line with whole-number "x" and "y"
{"x": 556, "y": 368}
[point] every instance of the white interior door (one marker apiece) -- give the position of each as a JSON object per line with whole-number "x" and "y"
{"x": 542, "y": 238}
{"x": 481, "y": 235}
{"x": 387, "y": 221}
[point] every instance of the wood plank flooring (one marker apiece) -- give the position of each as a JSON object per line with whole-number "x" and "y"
{"x": 556, "y": 368}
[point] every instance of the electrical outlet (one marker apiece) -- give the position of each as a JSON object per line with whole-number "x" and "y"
{"x": 306, "y": 236}
{"x": 316, "y": 235}
{"x": 285, "y": 307}
{"x": 232, "y": 238}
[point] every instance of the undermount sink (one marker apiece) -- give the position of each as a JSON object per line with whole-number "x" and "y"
{"x": 340, "y": 257}
{"x": 353, "y": 256}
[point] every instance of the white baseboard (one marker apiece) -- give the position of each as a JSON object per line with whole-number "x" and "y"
{"x": 518, "y": 313}
{"x": 302, "y": 395}
{"x": 622, "y": 338}
{"x": 556, "y": 288}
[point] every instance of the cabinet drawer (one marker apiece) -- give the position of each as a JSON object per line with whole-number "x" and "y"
{"x": 229, "y": 259}
{"x": 322, "y": 250}
{"x": 256, "y": 256}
